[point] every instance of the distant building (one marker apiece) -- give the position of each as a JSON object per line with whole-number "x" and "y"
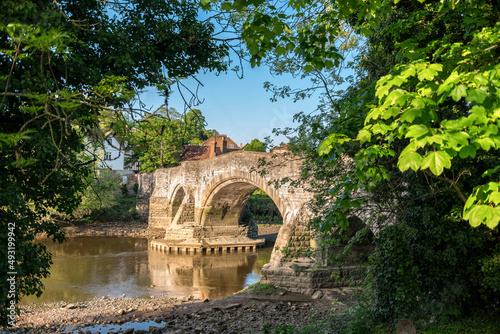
{"x": 111, "y": 154}
{"x": 114, "y": 152}
{"x": 280, "y": 149}
{"x": 213, "y": 146}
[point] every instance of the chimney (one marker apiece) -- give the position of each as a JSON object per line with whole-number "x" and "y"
{"x": 213, "y": 150}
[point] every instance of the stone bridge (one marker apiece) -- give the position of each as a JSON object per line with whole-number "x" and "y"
{"x": 200, "y": 200}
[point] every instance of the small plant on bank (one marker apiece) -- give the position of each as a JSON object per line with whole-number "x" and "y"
{"x": 334, "y": 324}
{"x": 261, "y": 289}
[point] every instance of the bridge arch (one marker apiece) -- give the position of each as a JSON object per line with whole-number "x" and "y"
{"x": 177, "y": 204}
{"x": 226, "y": 195}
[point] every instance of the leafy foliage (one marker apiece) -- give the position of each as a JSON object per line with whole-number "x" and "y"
{"x": 441, "y": 278}
{"x": 105, "y": 198}
{"x": 261, "y": 209}
{"x": 255, "y": 145}
{"x": 158, "y": 139}
{"x": 438, "y": 104}
{"x": 100, "y": 193}
{"x": 438, "y": 100}
{"x": 411, "y": 146}
{"x": 63, "y": 63}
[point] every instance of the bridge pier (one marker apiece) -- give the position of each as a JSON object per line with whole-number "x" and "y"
{"x": 215, "y": 247}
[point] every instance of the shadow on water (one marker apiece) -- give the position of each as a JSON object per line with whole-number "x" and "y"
{"x": 89, "y": 267}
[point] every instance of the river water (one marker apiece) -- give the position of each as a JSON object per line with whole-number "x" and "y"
{"x": 89, "y": 267}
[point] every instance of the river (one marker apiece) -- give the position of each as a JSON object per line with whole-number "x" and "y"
{"x": 89, "y": 267}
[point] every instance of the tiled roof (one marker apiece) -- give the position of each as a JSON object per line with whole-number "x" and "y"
{"x": 206, "y": 149}
{"x": 194, "y": 152}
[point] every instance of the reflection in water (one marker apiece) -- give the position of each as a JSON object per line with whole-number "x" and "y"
{"x": 214, "y": 275}
{"x": 85, "y": 268}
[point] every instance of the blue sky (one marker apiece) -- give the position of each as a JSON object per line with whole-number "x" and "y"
{"x": 241, "y": 108}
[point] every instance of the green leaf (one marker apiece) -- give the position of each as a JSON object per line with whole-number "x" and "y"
{"x": 468, "y": 205}
{"x": 326, "y": 226}
{"x": 391, "y": 112}
{"x": 335, "y": 138}
{"x": 411, "y": 114}
{"x": 364, "y": 136}
{"x": 467, "y": 151}
{"x": 396, "y": 97}
{"x": 411, "y": 160}
{"x": 493, "y": 222}
{"x": 485, "y": 143}
{"x": 226, "y": 6}
{"x": 491, "y": 171}
{"x": 484, "y": 214}
{"x": 205, "y": 4}
{"x": 456, "y": 138}
{"x": 372, "y": 114}
{"x": 429, "y": 140}
{"x": 436, "y": 67}
{"x": 477, "y": 95}
{"x": 480, "y": 80}
{"x": 280, "y": 50}
{"x": 427, "y": 74}
{"x": 436, "y": 162}
{"x": 495, "y": 197}
{"x": 458, "y": 92}
{"x": 416, "y": 131}
{"x": 409, "y": 71}
{"x": 382, "y": 91}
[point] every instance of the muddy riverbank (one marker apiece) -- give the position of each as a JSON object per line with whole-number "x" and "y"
{"x": 139, "y": 229}
{"x": 108, "y": 229}
{"x": 243, "y": 312}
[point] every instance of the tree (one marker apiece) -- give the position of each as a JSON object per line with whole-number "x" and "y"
{"x": 449, "y": 69}
{"x": 255, "y": 145}
{"x": 62, "y": 63}
{"x": 159, "y": 138}
{"x": 424, "y": 98}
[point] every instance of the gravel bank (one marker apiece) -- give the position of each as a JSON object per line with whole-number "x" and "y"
{"x": 239, "y": 313}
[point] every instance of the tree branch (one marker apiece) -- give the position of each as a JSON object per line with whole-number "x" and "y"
{"x": 451, "y": 182}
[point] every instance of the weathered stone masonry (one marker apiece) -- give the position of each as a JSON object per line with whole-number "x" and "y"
{"x": 204, "y": 199}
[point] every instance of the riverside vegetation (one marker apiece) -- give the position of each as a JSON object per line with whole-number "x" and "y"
{"x": 65, "y": 64}
{"x": 410, "y": 133}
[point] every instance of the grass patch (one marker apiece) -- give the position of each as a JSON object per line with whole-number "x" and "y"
{"x": 334, "y": 324}
{"x": 342, "y": 323}
{"x": 474, "y": 325}
{"x": 260, "y": 289}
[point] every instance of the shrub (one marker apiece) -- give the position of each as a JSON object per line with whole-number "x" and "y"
{"x": 428, "y": 265}
{"x": 101, "y": 194}
{"x": 260, "y": 289}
